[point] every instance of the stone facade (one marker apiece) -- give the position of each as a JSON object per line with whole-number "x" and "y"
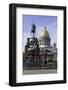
{"x": 38, "y": 52}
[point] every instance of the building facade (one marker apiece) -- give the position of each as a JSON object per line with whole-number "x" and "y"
{"x": 39, "y": 53}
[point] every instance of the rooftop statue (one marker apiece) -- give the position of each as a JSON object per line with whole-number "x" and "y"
{"x": 33, "y": 29}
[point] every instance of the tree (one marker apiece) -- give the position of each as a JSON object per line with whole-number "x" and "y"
{"x": 50, "y": 61}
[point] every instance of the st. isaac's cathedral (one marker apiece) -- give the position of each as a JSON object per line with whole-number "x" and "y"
{"x": 38, "y": 52}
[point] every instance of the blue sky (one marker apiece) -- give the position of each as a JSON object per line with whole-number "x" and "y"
{"x": 40, "y": 21}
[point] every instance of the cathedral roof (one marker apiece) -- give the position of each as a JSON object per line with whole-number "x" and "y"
{"x": 44, "y": 33}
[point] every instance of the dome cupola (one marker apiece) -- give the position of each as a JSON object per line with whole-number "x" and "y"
{"x": 44, "y": 33}
{"x": 44, "y": 39}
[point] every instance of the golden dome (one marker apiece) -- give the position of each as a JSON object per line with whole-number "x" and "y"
{"x": 44, "y": 33}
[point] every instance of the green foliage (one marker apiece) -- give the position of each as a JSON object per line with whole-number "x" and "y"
{"x": 50, "y": 61}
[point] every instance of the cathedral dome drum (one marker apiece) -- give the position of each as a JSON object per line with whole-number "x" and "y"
{"x": 44, "y": 39}
{"x": 44, "y": 33}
